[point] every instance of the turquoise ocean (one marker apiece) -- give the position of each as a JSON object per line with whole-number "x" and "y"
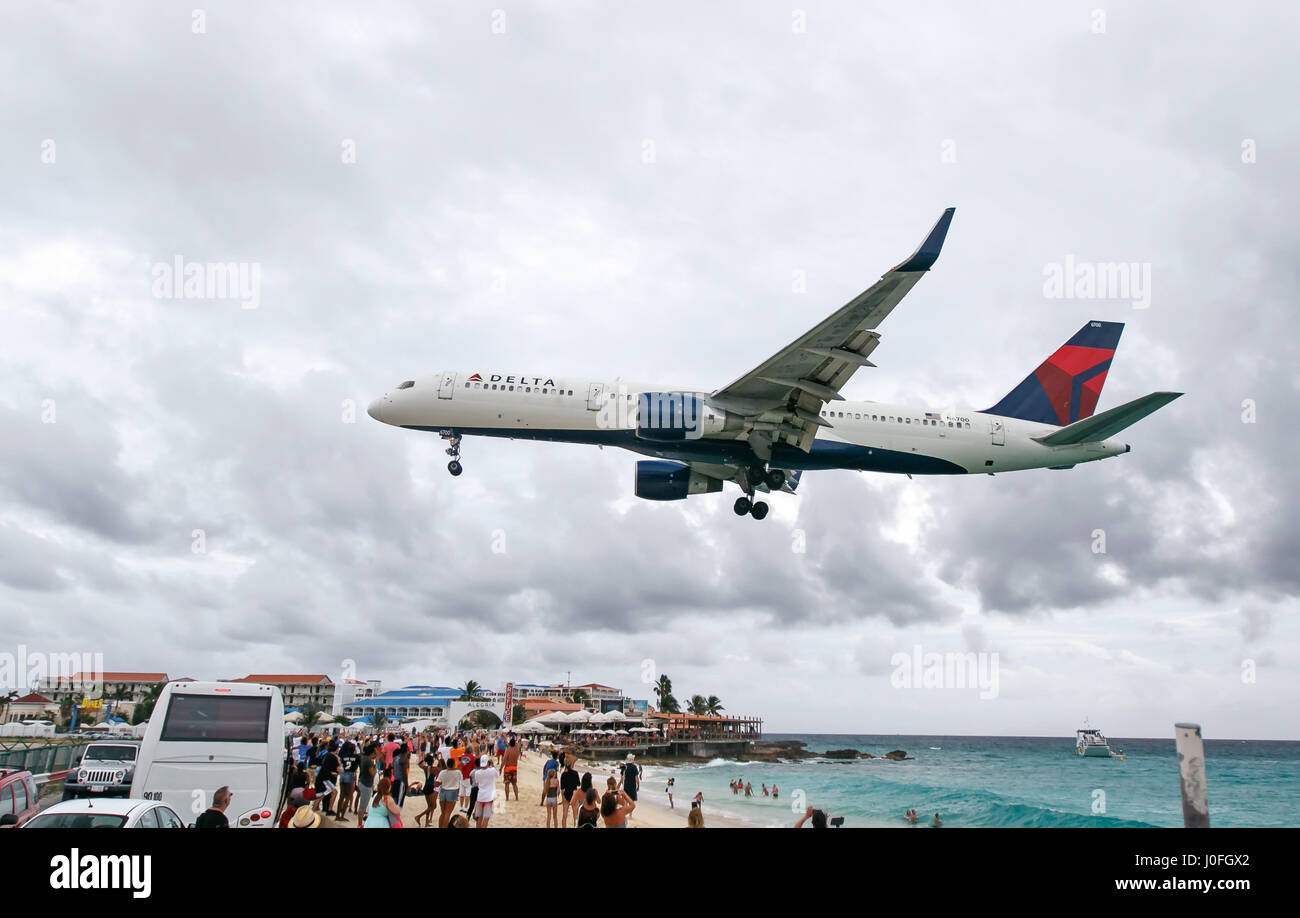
{"x": 997, "y": 781}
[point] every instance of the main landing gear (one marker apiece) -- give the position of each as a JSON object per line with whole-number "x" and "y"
{"x": 453, "y": 451}
{"x": 757, "y": 474}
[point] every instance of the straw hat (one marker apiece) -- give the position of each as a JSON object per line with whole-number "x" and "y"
{"x": 304, "y": 818}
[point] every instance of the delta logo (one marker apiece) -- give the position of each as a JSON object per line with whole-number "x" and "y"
{"x": 518, "y": 380}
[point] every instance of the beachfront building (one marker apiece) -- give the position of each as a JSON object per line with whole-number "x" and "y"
{"x": 353, "y": 690}
{"x": 298, "y": 690}
{"x": 32, "y": 706}
{"x": 115, "y": 686}
{"x": 691, "y": 727}
{"x": 440, "y": 705}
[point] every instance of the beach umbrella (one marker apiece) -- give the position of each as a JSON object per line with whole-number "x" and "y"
{"x": 598, "y": 718}
{"x": 553, "y": 717}
{"x": 578, "y": 717}
{"x": 615, "y": 717}
{"x": 623, "y": 732}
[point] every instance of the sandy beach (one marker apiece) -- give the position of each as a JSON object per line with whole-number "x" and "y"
{"x": 652, "y": 811}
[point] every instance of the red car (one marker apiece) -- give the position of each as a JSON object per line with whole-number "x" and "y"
{"x": 18, "y": 801}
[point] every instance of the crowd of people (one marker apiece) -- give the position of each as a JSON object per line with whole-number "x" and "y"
{"x": 370, "y": 778}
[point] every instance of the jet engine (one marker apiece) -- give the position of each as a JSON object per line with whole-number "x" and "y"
{"x": 657, "y": 479}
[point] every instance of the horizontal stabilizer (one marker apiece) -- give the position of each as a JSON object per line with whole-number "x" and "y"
{"x": 1108, "y": 423}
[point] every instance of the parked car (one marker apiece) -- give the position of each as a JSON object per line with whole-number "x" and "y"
{"x": 114, "y": 813}
{"x": 18, "y": 795}
{"x": 106, "y": 770}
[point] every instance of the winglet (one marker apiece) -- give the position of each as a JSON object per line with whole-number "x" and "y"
{"x": 927, "y": 254}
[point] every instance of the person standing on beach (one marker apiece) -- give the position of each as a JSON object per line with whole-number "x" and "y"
{"x": 485, "y": 780}
{"x": 384, "y": 813}
{"x": 616, "y": 808}
{"x": 348, "y": 760}
{"x": 551, "y": 764}
{"x": 367, "y": 768}
{"x": 669, "y": 791}
{"x": 448, "y": 790}
{"x": 590, "y": 809}
{"x": 631, "y": 777}
{"x": 551, "y": 797}
{"x": 466, "y": 786}
{"x": 327, "y": 775}
{"x": 569, "y": 783}
{"x": 510, "y": 768}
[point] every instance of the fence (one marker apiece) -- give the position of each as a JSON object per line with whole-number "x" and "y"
{"x": 42, "y": 758}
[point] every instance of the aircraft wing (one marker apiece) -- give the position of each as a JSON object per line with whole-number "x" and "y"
{"x": 782, "y": 397}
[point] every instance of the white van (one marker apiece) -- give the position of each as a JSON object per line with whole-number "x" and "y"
{"x": 205, "y": 735}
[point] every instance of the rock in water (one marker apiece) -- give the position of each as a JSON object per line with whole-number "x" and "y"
{"x": 841, "y": 753}
{"x": 897, "y": 755}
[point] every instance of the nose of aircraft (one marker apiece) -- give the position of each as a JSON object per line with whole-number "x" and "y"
{"x": 376, "y": 409}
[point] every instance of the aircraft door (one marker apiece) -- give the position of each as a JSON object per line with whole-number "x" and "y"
{"x": 448, "y": 385}
{"x": 594, "y": 392}
{"x": 998, "y": 431}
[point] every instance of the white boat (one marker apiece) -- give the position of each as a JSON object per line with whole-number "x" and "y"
{"x": 1089, "y": 741}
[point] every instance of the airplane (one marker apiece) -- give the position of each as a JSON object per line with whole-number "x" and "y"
{"x": 786, "y": 416}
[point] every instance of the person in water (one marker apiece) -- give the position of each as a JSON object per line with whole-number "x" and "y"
{"x": 936, "y": 822}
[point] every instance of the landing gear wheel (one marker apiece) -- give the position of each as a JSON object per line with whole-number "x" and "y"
{"x": 775, "y": 479}
{"x": 757, "y": 474}
{"x": 759, "y": 510}
{"x": 455, "y": 467}
{"x": 742, "y": 506}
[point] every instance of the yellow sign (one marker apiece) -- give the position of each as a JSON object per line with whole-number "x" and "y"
{"x": 91, "y": 704}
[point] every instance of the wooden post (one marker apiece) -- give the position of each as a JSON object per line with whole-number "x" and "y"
{"x": 1191, "y": 775}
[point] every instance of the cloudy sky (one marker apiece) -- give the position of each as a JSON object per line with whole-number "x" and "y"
{"x": 600, "y": 190}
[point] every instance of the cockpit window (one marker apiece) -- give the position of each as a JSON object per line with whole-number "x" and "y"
{"x": 406, "y": 385}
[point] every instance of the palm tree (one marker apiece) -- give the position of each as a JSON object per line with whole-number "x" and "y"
{"x": 697, "y": 705}
{"x": 713, "y": 705}
{"x": 663, "y": 691}
{"x": 145, "y": 707}
{"x": 471, "y": 691}
{"x": 9, "y": 699}
{"x": 379, "y": 721}
{"x": 517, "y": 715}
{"x": 579, "y": 696}
{"x": 311, "y": 716}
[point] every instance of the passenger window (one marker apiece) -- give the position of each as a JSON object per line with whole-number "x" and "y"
{"x": 543, "y": 392}
{"x": 20, "y": 797}
{"x": 528, "y": 388}
{"x": 6, "y": 801}
{"x": 466, "y": 385}
{"x": 169, "y": 819}
{"x": 149, "y": 820}
{"x": 857, "y": 417}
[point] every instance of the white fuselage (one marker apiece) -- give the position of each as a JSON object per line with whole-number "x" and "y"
{"x": 872, "y": 436}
